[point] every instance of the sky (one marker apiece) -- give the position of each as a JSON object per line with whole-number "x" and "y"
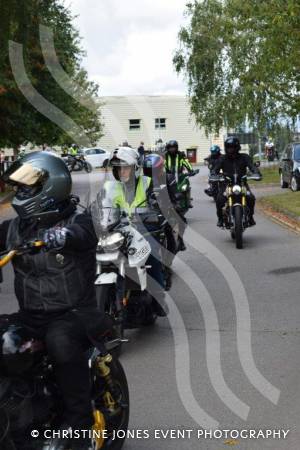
{"x": 130, "y": 44}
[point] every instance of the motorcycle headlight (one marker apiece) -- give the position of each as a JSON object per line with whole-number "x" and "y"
{"x": 236, "y": 189}
{"x": 111, "y": 242}
{"x": 184, "y": 187}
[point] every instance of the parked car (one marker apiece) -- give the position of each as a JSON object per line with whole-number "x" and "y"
{"x": 96, "y": 156}
{"x": 289, "y": 167}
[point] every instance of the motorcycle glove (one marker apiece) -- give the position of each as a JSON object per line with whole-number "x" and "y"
{"x": 55, "y": 238}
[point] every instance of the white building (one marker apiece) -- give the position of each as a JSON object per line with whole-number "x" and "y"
{"x": 147, "y": 118}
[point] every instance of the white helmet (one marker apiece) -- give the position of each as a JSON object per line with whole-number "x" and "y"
{"x": 269, "y": 144}
{"x": 125, "y": 156}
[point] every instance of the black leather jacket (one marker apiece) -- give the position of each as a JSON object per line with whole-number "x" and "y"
{"x": 58, "y": 280}
{"x": 238, "y": 165}
{"x": 212, "y": 160}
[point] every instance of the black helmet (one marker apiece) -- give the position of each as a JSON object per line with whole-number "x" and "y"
{"x": 172, "y": 144}
{"x": 232, "y": 146}
{"x": 43, "y": 182}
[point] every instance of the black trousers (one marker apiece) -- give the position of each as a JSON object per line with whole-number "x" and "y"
{"x": 221, "y": 201}
{"x": 67, "y": 345}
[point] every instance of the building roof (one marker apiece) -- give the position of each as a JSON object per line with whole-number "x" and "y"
{"x": 143, "y": 98}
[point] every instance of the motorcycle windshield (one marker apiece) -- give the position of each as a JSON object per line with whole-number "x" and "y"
{"x": 104, "y": 212}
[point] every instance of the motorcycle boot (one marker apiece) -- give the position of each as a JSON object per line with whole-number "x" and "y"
{"x": 251, "y": 221}
{"x": 208, "y": 192}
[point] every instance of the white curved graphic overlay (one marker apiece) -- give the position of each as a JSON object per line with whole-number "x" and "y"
{"x": 60, "y": 76}
{"x": 38, "y": 101}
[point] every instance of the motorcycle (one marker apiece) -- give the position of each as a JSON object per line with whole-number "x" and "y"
{"x": 77, "y": 163}
{"x": 235, "y": 212}
{"x": 30, "y": 398}
{"x": 270, "y": 154}
{"x": 183, "y": 196}
{"x": 122, "y": 252}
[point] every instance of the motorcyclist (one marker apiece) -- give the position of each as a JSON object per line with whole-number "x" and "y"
{"x": 215, "y": 155}
{"x": 176, "y": 161}
{"x": 166, "y": 199}
{"x": 269, "y": 151}
{"x": 234, "y": 162}
{"x": 55, "y": 286}
{"x": 132, "y": 196}
{"x": 160, "y": 146}
{"x": 73, "y": 152}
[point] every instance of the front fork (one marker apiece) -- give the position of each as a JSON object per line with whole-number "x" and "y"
{"x": 228, "y": 212}
{"x": 122, "y": 298}
{"x": 104, "y": 371}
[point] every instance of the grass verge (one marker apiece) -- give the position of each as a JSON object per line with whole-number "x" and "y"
{"x": 270, "y": 176}
{"x": 288, "y": 203}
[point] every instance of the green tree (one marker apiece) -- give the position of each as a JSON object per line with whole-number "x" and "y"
{"x": 20, "y": 121}
{"x": 241, "y": 61}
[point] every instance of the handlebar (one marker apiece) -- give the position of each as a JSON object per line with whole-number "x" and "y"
{"x": 219, "y": 178}
{"x": 7, "y": 258}
{"x": 215, "y": 178}
{"x": 20, "y": 251}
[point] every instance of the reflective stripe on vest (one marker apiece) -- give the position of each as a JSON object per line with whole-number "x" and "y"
{"x": 140, "y": 199}
{"x": 169, "y": 162}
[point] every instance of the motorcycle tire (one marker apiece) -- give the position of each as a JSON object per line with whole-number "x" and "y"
{"x": 6, "y": 442}
{"x": 78, "y": 166}
{"x": 106, "y": 301}
{"x": 238, "y": 226}
{"x": 88, "y": 167}
{"x": 118, "y": 423}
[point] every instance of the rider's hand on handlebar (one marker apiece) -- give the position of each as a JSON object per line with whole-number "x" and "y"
{"x": 55, "y": 238}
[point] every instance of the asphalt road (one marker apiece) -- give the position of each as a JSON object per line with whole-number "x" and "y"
{"x": 175, "y": 383}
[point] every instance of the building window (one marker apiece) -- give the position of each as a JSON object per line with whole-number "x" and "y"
{"x": 160, "y": 123}
{"x": 134, "y": 124}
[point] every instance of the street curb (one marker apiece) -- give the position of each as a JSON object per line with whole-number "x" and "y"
{"x": 279, "y": 217}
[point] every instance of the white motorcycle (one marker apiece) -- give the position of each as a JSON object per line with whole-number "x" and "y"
{"x": 121, "y": 276}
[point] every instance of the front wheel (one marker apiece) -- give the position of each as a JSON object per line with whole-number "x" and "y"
{"x": 238, "y": 226}
{"x": 294, "y": 184}
{"x": 88, "y": 167}
{"x": 78, "y": 166}
{"x": 107, "y": 303}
